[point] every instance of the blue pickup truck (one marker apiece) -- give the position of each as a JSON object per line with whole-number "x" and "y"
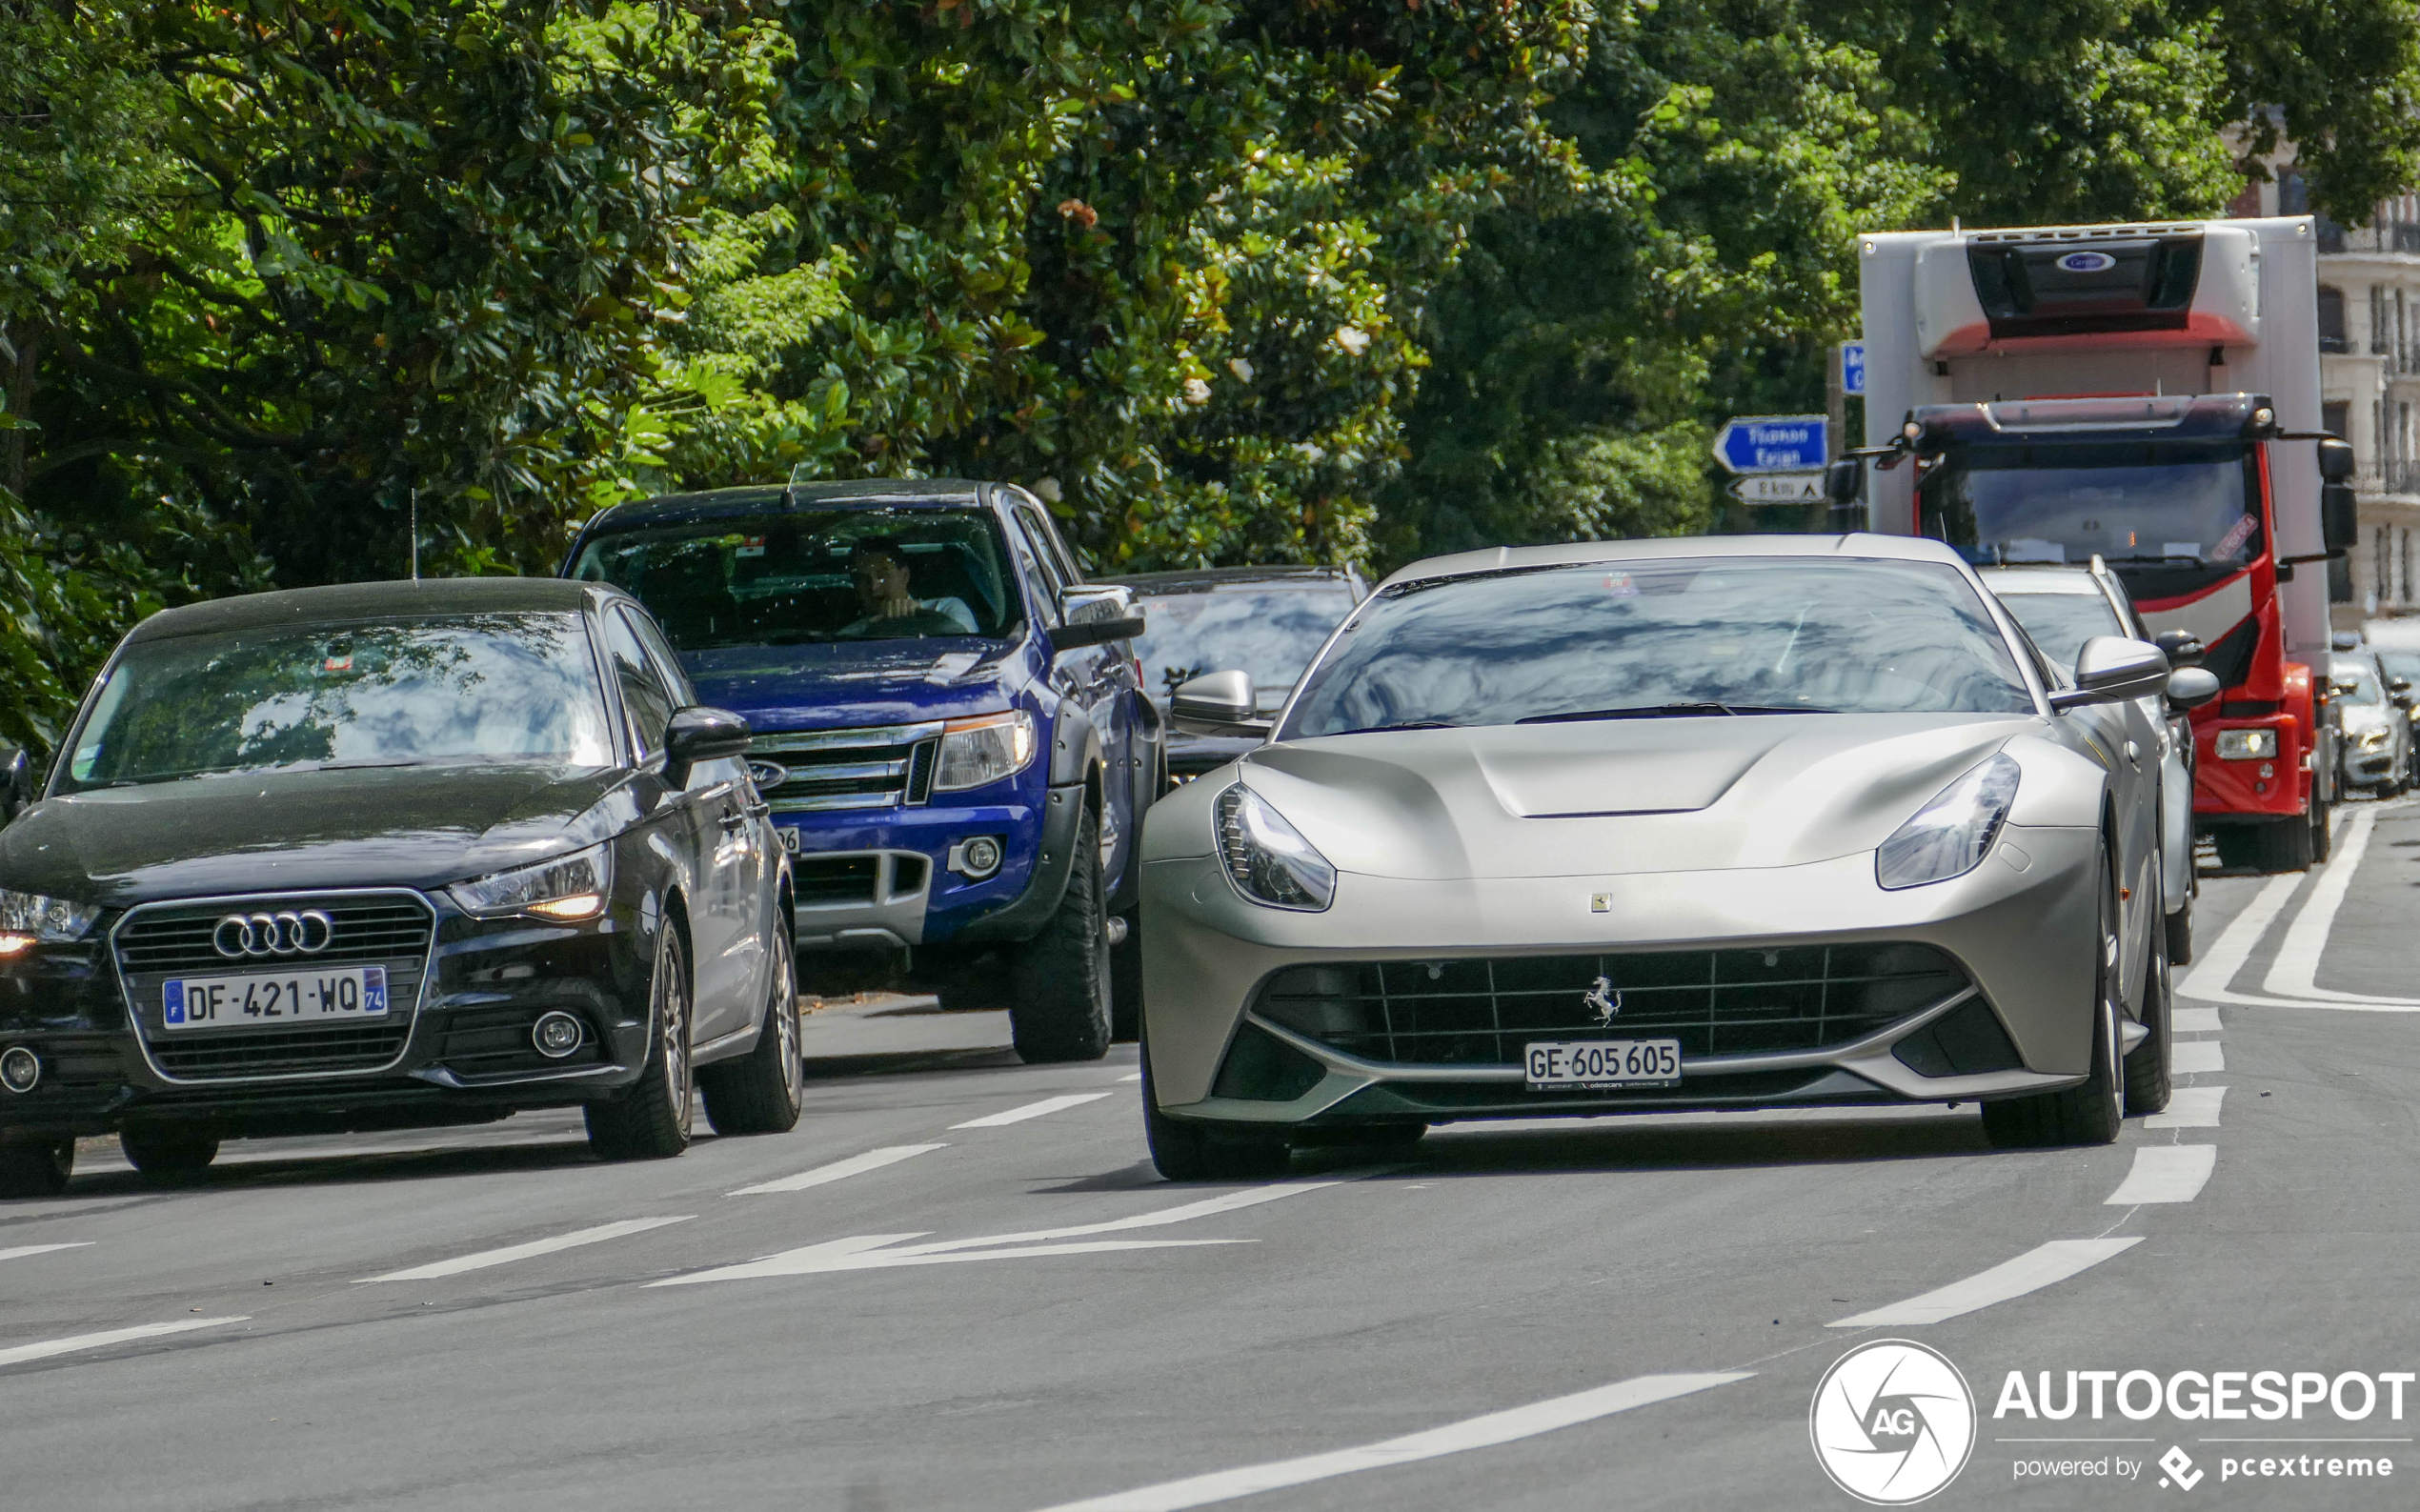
{"x": 950, "y": 728}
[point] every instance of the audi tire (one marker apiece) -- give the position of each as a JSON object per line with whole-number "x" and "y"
{"x": 169, "y": 1151}
{"x": 35, "y": 1167}
{"x": 651, "y": 1120}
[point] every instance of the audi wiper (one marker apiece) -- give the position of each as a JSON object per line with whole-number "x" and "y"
{"x": 1672, "y": 711}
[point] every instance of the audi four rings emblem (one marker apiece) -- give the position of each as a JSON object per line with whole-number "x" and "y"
{"x": 287, "y": 934}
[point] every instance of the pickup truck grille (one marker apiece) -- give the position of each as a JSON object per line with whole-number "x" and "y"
{"x": 879, "y": 767}
{"x": 1717, "y": 1002}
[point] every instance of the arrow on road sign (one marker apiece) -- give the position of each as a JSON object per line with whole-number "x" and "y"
{"x": 1771, "y": 443}
{"x": 1779, "y": 488}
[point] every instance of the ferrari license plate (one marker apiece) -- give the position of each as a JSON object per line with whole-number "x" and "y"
{"x": 260, "y": 1002}
{"x": 1555, "y": 1065}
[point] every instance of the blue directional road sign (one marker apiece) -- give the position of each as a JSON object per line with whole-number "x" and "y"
{"x": 1772, "y": 443}
{"x": 1852, "y": 367}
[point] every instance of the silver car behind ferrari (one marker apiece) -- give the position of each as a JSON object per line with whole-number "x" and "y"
{"x": 1688, "y": 823}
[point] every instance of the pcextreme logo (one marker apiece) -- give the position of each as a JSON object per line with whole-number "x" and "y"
{"x": 1892, "y": 1423}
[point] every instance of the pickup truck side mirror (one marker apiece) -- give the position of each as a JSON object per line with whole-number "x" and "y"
{"x": 2184, "y": 648}
{"x": 701, "y": 734}
{"x": 1095, "y": 614}
{"x": 1217, "y": 703}
{"x": 2192, "y": 687}
{"x": 2112, "y": 669}
{"x": 1842, "y": 477}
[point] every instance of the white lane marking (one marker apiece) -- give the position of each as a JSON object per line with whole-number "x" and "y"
{"x": 1131, "y": 1076}
{"x": 23, "y": 1250}
{"x": 2190, "y": 1057}
{"x": 2193, "y": 1020}
{"x": 1031, "y": 1110}
{"x": 853, "y": 1166}
{"x": 115, "y": 1335}
{"x": 2166, "y": 1173}
{"x": 2188, "y": 1108}
{"x": 2029, "y": 1272}
{"x": 873, "y": 1259}
{"x": 2215, "y": 972}
{"x": 2295, "y": 972}
{"x": 1455, "y": 1438}
{"x": 815, "y": 1258}
{"x": 516, "y": 1252}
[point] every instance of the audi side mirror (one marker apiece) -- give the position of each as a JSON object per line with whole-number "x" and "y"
{"x": 2112, "y": 669}
{"x": 1217, "y": 703}
{"x": 2191, "y": 688}
{"x": 16, "y": 783}
{"x": 2184, "y": 648}
{"x": 698, "y": 734}
{"x": 1095, "y": 614}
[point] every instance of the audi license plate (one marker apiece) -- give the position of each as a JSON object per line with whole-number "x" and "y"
{"x": 255, "y": 1002}
{"x": 1556, "y": 1066}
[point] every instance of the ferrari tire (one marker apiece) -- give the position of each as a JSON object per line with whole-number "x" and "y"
{"x": 2093, "y": 1112}
{"x": 2148, "y": 1076}
{"x": 1184, "y": 1150}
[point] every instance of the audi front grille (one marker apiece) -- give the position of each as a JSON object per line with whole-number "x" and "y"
{"x": 159, "y": 941}
{"x": 1464, "y": 1011}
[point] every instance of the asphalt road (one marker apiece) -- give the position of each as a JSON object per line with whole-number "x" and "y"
{"x": 983, "y": 1299}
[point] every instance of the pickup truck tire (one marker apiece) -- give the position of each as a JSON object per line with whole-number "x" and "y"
{"x": 1125, "y": 979}
{"x": 1059, "y": 980}
{"x": 762, "y": 1092}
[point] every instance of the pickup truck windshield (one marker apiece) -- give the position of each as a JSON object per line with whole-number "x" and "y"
{"x": 2183, "y": 506}
{"x": 790, "y": 577}
{"x": 1665, "y": 639}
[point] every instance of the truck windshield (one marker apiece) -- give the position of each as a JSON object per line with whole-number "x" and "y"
{"x": 786, "y": 578}
{"x": 2184, "y": 507}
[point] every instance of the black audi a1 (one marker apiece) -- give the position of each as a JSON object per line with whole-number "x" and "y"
{"x": 391, "y": 855}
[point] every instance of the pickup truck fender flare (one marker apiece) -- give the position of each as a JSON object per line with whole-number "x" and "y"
{"x": 1074, "y": 746}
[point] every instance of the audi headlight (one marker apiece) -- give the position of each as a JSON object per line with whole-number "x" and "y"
{"x": 28, "y": 919}
{"x": 2245, "y": 745}
{"x": 568, "y": 887}
{"x": 977, "y": 752}
{"x": 1950, "y": 835}
{"x": 1268, "y": 858}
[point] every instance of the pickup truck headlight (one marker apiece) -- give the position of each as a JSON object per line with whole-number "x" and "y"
{"x": 2245, "y": 745}
{"x": 981, "y": 751}
{"x": 1268, "y": 858}
{"x": 1950, "y": 835}
{"x": 568, "y": 887}
{"x": 28, "y": 919}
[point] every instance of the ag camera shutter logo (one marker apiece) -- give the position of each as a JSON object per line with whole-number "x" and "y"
{"x": 1892, "y": 1423}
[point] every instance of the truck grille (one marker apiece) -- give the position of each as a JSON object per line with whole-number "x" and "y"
{"x": 160, "y": 942}
{"x": 1716, "y": 1002}
{"x": 881, "y": 767}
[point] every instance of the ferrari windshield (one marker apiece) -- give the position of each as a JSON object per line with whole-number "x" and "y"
{"x": 2181, "y": 505}
{"x": 407, "y": 692}
{"x": 787, "y": 578}
{"x": 1676, "y": 637}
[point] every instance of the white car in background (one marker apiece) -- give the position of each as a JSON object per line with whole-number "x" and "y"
{"x": 2377, "y": 750}
{"x": 2064, "y": 607}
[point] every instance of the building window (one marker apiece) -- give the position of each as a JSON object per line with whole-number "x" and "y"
{"x": 2332, "y": 320}
{"x": 2335, "y": 417}
{"x": 2379, "y": 346}
{"x": 2402, "y": 553}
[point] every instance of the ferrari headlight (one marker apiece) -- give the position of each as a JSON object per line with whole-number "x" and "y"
{"x": 28, "y": 919}
{"x": 2245, "y": 745}
{"x": 976, "y": 752}
{"x": 1268, "y": 858}
{"x": 1950, "y": 835}
{"x": 568, "y": 887}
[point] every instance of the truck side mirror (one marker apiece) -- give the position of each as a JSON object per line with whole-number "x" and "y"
{"x": 1842, "y": 477}
{"x": 2184, "y": 648}
{"x": 1217, "y": 703}
{"x": 2335, "y": 461}
{"x": 2339, "y": 517}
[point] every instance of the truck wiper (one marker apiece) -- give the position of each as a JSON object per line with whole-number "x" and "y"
{"x": 1671, "y": 710}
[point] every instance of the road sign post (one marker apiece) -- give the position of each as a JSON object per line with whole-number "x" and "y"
{"x": 1772, "y": 443}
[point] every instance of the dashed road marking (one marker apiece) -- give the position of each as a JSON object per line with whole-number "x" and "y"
{"x": 102, "y": 1340}
{"x": 2193, "y": 1020}
{"x": 2029, "y": 1272}
{"x": 2188, "y": 1108}
{"x": 1031, "y": 1110}
{"x": 2166, "y": 1173}
{"x": 838, "y": 1170}
{"x": 24, "y": 1250}
{"x": 2194, "y": 1057}
{"x": 1131, "y": 1076}
{"x": 517, "y": 1252}
{"x": 1455, "y": 1438}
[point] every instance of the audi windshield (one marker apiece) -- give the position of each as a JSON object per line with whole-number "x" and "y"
{"x": 1683, "y": 638}
{"x": 791, "y": 578}
{"x": 470, "y": 688}
{"x": 1269, "y": 630}
{"x": 2167, "y": 506}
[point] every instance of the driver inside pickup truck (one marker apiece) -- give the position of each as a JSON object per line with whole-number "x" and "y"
{"x": 878, "y": 564}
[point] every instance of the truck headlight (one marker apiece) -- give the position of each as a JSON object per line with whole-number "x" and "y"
{"x": 2245, "y": 745}
{"x": 568, "y": 887}
{"x": 28, "y": 919}
{"x": 2373, "y": 739}
{"x": 985, "y": 750}
{"x": 1950, "y": 835}
{"x": 1268, "y": 858}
